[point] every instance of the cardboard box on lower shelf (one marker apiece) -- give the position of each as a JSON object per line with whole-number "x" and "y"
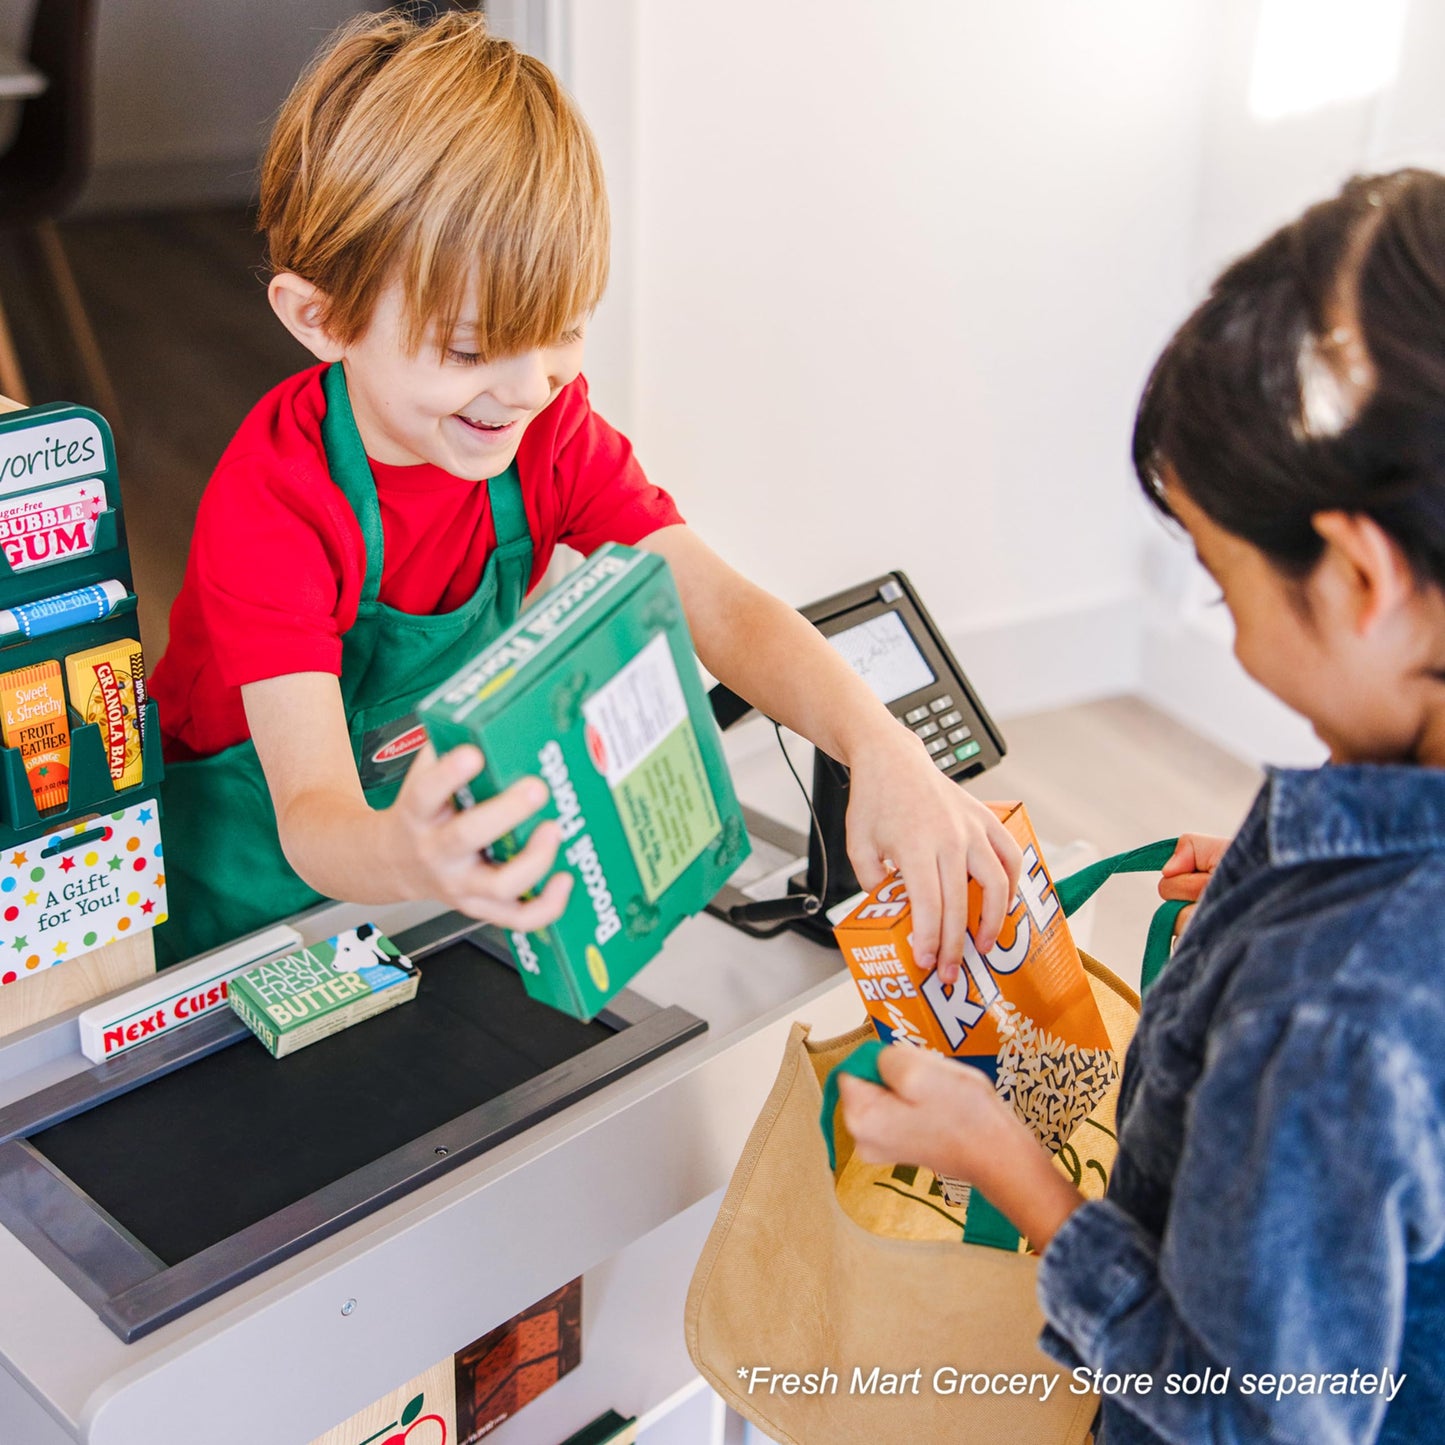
{"x": 504, "y": 1370}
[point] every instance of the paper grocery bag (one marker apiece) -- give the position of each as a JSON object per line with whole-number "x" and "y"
{"x": 790, "y": 1283}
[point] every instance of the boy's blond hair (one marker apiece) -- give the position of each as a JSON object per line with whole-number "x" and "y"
{"x": 442, "y": 158}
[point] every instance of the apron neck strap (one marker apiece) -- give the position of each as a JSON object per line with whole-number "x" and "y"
{"x": 350, "y": 470}
{"x": 509, "y": 516}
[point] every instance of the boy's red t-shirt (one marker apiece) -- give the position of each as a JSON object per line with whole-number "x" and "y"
{"x": 277, "y": 562}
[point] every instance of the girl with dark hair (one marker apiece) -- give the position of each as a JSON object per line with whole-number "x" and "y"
{"x": 1267, "y": 1263}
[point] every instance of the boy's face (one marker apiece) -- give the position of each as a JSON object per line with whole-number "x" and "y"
{"x": 444, "y": 405}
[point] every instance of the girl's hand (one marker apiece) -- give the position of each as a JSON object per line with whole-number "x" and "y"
{"x": 903, "y": 811}
{"x": 1186, "y": 873}
{"x": 438, "y": 849}
{"x": 945, "y": 1116}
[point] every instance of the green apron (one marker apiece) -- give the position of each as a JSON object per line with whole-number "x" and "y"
{"x": 225, "y": 872}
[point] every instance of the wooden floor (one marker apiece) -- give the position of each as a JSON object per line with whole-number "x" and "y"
{"x": 1116, "y": 774}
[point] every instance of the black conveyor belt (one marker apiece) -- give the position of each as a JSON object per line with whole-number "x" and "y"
{"x": 194, "y": 1156}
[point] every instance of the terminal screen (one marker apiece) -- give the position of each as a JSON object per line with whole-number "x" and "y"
{"x": 883, "y": 653}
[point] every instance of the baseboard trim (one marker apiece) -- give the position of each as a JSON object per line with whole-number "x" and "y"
{"x": 1124, "y": 647}
{"x": 1052, "y": 660}
{"x": 1194, "y": 676}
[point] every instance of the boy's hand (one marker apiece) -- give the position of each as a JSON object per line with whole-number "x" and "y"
{"x": 419, "y": 847}
{"x": 902, "y": 809}
{"x": 1186, "y": 873}
{"x": 438, "y": 849}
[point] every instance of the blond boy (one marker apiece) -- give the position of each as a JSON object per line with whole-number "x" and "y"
{"x": 438, "y": 233}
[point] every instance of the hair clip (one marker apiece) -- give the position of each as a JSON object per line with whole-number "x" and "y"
{"x": 1326, "y": 407}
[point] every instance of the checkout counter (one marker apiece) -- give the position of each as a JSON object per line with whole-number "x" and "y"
{"x": 616, "y": 1176}
{"x": 620, "y": 1188}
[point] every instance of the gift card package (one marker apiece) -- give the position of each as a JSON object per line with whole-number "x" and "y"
{"x": 595, "y": 689}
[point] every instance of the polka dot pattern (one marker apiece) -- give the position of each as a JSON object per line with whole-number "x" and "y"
{"x": 56, "y": 904}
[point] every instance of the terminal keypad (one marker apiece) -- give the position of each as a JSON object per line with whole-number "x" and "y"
{"x": 939, "y": 722}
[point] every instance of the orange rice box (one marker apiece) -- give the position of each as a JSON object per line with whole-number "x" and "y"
{"x": 1023, "y": 1012}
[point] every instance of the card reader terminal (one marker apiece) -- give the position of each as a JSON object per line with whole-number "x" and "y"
{"x": 884, "y": 631}
{"x": 886, "y": 634}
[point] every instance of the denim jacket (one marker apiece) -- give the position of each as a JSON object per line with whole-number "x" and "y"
{"x": 1277, "y": 1207}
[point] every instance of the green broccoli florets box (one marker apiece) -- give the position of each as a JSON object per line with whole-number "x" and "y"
{"x": 595, "y": 689}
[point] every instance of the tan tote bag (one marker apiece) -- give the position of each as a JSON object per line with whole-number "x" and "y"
{"x": 789, "y": 1283}
{"x": 822, "y": 1331}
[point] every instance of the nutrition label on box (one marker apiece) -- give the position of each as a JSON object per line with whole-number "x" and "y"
{"x": 640, "y": 738}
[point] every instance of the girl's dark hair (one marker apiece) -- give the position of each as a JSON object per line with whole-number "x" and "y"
{"x": 1361, "y": 277}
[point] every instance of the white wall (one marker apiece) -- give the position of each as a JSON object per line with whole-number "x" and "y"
{"x": 1256, "y": 175}
{"x": 892, "y": 276}
{"x": 895, "y": 275}
{"x": 886, "y": 278}
{"x": 599, "y": 64}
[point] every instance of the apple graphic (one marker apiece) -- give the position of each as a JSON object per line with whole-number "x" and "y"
{"x": 428, "y": 1429}
{"x": 432, "y": 1428}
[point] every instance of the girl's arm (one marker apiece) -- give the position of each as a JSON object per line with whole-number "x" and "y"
{"x": 421, "y": 846}
{"x": 901, "y": 807}
{"x": 1312, "y": 1172}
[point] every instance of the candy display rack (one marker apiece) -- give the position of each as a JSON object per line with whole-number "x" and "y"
{"x": 81, "y": 885}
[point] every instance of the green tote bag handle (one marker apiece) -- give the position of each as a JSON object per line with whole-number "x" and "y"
{"x": 1076, "y": 890}
{"x": 1073, "y": 892}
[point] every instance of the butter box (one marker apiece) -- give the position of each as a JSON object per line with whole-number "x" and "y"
{"x": 596, "y": 690}
{"x": 321, "y": 988}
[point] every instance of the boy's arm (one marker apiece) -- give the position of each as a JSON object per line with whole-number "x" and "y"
{"x": 421, "y": 846}
{"x": 901, "y": 807}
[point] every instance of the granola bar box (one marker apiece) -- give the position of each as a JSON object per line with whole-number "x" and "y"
{"x": 596, "y": 690}
{"x": 1023, "y": 1012}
